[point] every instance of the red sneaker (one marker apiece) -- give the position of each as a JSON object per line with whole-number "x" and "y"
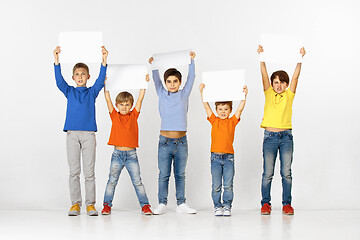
{"x": 288, "y": 210}
{"x": 106, "y": 210}
{"x": 146, "y": 210}
{"x": 266, "y": 209}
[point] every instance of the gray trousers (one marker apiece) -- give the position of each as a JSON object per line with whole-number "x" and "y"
{"x": 81, "y": 143}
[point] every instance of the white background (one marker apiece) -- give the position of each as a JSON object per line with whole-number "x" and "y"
{"x": 224, "y": 35}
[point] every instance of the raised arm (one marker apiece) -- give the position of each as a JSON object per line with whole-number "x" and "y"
{"x": 105, "y": 54}
{"x": 56, "y": 55}
{"x": 60, "y": 81}
{"x": 100, "y": 81}
{"x": 156, "y": 77}
{"x": 206, "y": 104}
{"x": 108, "y": 100}
{"x": 264, "y": 74}
{"x": 295, "y": 77}
{"x": 242, "y": 104}
{"x": 141, "y": 96}
{"x": 191, "y": 75}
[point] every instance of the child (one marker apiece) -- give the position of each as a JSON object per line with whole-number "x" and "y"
{"x": 80, "y": 126}
{"x": 173, "y": 147}
{"x": 124, "y": 137}
{"x": 278, "y": 135}
{"x": 222, "y": 151}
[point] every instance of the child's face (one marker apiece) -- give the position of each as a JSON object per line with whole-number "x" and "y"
{"x": 124, "y": 107}
{"x": 223, "y": 111}
{"x": 81, "y": 76}
{"x": 279, "y": 86}
{"x": 172, "y": 84}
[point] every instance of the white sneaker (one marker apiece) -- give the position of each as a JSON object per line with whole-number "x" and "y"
{"x": 160, "y": 209}
{"x": 218, "y": 211}
{"x": 184, "y": 208}
{"x": 227, "y": 212}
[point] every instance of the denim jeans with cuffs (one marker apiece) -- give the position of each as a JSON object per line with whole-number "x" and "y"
{"x": 222, "y": 172}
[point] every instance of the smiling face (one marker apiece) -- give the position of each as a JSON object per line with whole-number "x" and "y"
{"x": 279, "y": 86}
{"x": 172, "y": 84}
{"x": 80, "y": 76}
{"x": 124, "y": 107}
{"x": 223, "y": 111}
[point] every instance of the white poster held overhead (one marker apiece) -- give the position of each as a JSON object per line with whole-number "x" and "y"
{"x": 223, "y": 85}
{"x": 171, "y": 59}
{"x": 126, "y": 76}
{"x": 281, "y": 48}
{"x": 81, "y": 47}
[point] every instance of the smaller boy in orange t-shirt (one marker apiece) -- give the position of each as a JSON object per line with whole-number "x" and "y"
{"x": 222, "y": 151}
{"x": 124, "y": 138}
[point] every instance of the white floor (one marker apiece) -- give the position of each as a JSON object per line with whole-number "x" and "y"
{"x": 305, "y": 224}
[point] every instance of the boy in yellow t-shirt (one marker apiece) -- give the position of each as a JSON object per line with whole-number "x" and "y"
{"x": 278, "y": 135}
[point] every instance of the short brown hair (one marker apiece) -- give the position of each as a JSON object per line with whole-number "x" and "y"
{"x": 172, "y": 72}
{"x": 283, "y": 76}
{"x": 224, "y": 103}
{"x": 81, "y": 65}
{"x": 124, "y": 97}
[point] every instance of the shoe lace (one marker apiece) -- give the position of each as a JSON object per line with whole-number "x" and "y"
{"x": 146, "y": 208}
{"x": 90, "y": 208}
{"x": 75, "y": 207}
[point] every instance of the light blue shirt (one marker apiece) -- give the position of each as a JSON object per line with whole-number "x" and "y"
{"x": 173, "y": 107}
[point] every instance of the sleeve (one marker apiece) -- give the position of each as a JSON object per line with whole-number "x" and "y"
{"x": 268, "y": 91}
{"x": 157, "y": 81}
{"x": 99, "y": 83}
{"x": 60, "y": 82}
{"x": 212, "y": 118}
{"x": 113, "y": 114}
{"x": 135, "y": 113}
{"x": 190, "y": 79}
{"x": 234, "y": 120}
{"x": 290, "y": 94}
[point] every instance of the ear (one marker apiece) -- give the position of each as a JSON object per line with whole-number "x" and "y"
{"x": 73, "y": 77}
{"x": 88, "y": 77}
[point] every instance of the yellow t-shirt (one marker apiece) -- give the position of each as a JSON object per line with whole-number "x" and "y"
{"x": 278, "y": 109}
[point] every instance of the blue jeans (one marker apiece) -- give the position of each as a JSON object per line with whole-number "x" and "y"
{"x": 119, "y": 160}
{"x": 274, "y": 142}
{"x": 172, "y": 150}
{"x": 222, "y": 170}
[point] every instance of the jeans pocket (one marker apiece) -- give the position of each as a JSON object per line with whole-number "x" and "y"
{"x": 114, "y": 155}
{"x": 132, "y": 155}
{"x": 230, "y": 157}
{"x": 163, "y": 142}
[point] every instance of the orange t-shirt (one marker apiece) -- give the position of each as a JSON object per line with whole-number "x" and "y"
{"x": 222, "y": 133}
{"x": 124, "y": 129}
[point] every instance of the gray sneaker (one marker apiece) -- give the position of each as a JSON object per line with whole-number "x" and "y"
{"x": 218, "y": 211}
{"x": 227, "y": 212}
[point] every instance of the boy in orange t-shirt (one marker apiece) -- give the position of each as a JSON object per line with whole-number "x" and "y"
{"x": 124, "y": 138}
{"x": 222, "y": 151}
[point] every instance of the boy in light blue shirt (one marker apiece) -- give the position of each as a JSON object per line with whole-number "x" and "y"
{"x": 173, "y": 147}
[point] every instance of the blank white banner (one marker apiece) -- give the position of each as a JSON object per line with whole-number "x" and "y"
{"x": 171, "y": 59}
{"x": 281, "y": 48}
{"x": 80, "y": 47}
{"x": 126, "y": 76}
{"x": 223, "y": 85}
